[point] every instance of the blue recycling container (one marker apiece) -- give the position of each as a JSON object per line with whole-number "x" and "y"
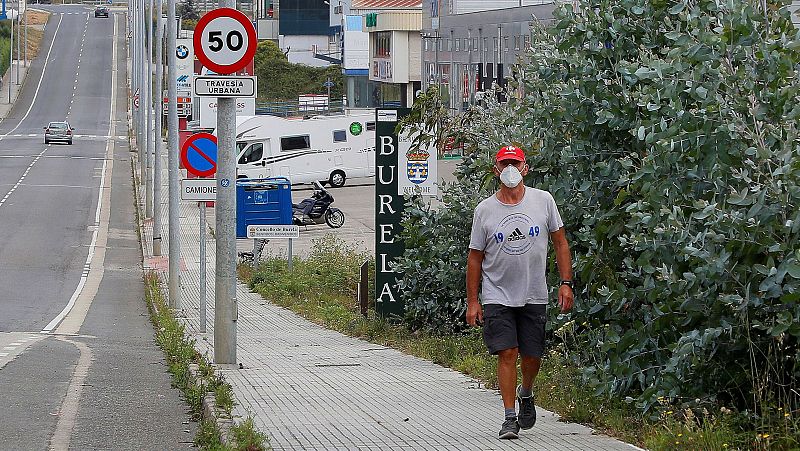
{"x": 262, "y": 202}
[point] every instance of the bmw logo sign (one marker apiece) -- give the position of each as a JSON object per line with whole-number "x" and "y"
{"x": 182, "y": 52}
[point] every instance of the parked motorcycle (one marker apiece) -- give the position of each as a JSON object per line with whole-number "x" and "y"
{"x": 317, "y": 209}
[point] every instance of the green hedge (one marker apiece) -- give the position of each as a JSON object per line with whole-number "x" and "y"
{"x": 667, "y": 132}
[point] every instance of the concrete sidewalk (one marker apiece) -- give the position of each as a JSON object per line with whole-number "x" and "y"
{"x": 11, "y": 77}
{"x": 309, "y": 388}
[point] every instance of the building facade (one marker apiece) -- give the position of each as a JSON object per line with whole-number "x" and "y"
{"x": 469, "y": 45}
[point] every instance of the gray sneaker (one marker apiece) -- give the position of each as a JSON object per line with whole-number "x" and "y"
{"x": 510, "y": 429}
{"x": 527, "y": 410}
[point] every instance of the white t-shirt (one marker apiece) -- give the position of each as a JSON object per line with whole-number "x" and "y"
{"x": 514, "y": 240}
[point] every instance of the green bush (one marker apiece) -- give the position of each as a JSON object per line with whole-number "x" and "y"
{"x": 667, "y": 132}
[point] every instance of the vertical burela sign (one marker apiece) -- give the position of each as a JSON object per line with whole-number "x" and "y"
{"x": 388, "y": 210}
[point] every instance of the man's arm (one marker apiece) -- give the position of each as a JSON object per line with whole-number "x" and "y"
{"x": 566, "y": 297}
{"x": 474, "y": 310}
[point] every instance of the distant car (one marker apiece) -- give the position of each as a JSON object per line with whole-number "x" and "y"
{"x": 58, "y": 131}
{"x": 101, "y": 11}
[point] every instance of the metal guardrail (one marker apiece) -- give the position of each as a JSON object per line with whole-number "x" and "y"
{"x": 293, "y": 108}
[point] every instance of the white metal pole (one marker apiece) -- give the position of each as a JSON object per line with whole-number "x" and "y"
{"x": 19, "y": 49}
{"x": 142, "y": 139}
{"x": 10, "y": 62}
{"x": 25, "y": 22}
{"x": 225, "y": 306}
{"x": 172, "y": 151}
{"x": 159, "y": 112}
{"x": 149, "y": 129}
{"x": 203, "y": 258}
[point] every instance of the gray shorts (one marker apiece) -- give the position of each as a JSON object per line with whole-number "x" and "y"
{"x": 515, "y": 327}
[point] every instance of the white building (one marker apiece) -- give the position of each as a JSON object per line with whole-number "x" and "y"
{"x": 395, "y": 57}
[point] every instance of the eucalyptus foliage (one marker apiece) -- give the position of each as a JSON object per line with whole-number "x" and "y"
{"x": 667, "y": 133}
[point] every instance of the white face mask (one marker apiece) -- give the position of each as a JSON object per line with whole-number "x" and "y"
{"x": 510, "y": 176}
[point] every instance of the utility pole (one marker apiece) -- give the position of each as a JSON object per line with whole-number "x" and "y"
{"x": 25, "y": 22}
{"x": 10, "y": 60}
{"x": 141, "y": 143}
{"x": 172, "y": 149}
{"x": 159, "y": 115}
{"x": 148, "y": 202}
{"x": 19, "y": 51}
{"x": 225, "y": 303}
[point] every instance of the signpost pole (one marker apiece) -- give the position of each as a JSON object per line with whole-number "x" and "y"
{"x": 159, "y": 112}
{"x": 19, "y": 49}
{"x": 225, "y": 47}
{"x": 141, "y": 139}
{"x": 289, "y": 263}
{"x": 203, "y": 259}
{"x": 174, "y": 182}
{"x": 148, "y": 202}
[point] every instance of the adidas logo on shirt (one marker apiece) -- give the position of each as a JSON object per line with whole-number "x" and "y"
{"x": 516, "y": 235}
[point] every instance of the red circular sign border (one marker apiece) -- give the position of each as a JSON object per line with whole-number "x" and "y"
{"x": 185, "y": 154}
{"x": 252, "y": 43}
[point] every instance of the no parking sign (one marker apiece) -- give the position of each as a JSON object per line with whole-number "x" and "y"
{"x": 199, "y": 154}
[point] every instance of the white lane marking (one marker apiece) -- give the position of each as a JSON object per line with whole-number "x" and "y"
{"x": 25, "y": 174}
{"x": 15, "y": 344}
{"x": 68, "y": 412}
{"x": 9, "y": 348}
{"x": 41, "y": 77}
{"x": 74, "y": 322}
{"x": 3, "y": 354}
{"x": 35, "y": 94}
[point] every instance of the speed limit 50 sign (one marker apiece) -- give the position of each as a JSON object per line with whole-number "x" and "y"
{"x": 225, "y": 40}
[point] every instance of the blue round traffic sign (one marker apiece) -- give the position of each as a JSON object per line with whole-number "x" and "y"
{"x": 199, "y": 154}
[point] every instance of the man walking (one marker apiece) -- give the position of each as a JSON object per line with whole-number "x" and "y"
{"x": 507, "y": 259}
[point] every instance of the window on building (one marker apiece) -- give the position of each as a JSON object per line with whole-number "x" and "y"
{"x": 300, "y": 142}
{"x": 494, "y": 41}
{"x": 439, "y": 44}
{"x": 449, "y": 45}
{"x": 425, "y": 44}
{"x": 516, "y": 42}
{"x": 505, "y": 43}
{"x": 485, "y": 45}
{"x": 527, "y": 41}
{"x": 253, "y": 153}
{"x": 458, "y": 45}
{"x": 339, "y": 136}
{"x": 370, "y": 126}
{"x": 475, "y": 44}
{"x": 383, "y": 44}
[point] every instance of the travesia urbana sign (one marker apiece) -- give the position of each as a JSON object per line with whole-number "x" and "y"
{"x": 388, "y": 211}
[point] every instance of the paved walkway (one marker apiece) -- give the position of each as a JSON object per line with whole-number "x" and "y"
{"x": 309, "y": 388}
{"x": 11, "y": 77}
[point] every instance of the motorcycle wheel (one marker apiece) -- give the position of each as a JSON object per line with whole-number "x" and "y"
{"x": 334, "y": 218}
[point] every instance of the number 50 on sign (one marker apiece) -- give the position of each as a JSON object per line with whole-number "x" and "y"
{"x": 225, "y": 40}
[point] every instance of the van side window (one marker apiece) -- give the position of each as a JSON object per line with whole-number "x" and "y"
{"x": 295, "y": 143}
{"x": 339, "y": 136}
{"x": 253, "y": 153}
{"x": 370, "y": 126}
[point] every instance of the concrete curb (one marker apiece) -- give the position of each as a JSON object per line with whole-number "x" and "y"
{"x": 210, "y": 412}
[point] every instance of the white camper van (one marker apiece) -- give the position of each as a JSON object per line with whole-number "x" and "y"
{"x": 329, "y": 149}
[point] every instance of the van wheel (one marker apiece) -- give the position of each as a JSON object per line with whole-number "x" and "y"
{"x": 337, "y": 179}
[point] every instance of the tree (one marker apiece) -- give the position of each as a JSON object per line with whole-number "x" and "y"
{"x": 280, "y": 80}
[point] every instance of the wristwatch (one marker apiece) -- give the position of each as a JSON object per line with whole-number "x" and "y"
{"x": 568, "y": 283}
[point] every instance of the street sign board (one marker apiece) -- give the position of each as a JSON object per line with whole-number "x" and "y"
{"x": 230, "y": 86}
{"x": 273, "y": 231}
{"x": 225, "y": 40}
{"x": 199, "y": 154}
{"x": 184, "y": 65}
{"x": 201, "y": 190}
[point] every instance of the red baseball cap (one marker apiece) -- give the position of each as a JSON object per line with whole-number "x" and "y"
{"x": 510, "y": 152}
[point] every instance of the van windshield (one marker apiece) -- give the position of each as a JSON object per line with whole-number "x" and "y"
{"x": 240, "y": 145}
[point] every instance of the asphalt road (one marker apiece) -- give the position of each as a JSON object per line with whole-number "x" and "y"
{"x": 78, "y": 365}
